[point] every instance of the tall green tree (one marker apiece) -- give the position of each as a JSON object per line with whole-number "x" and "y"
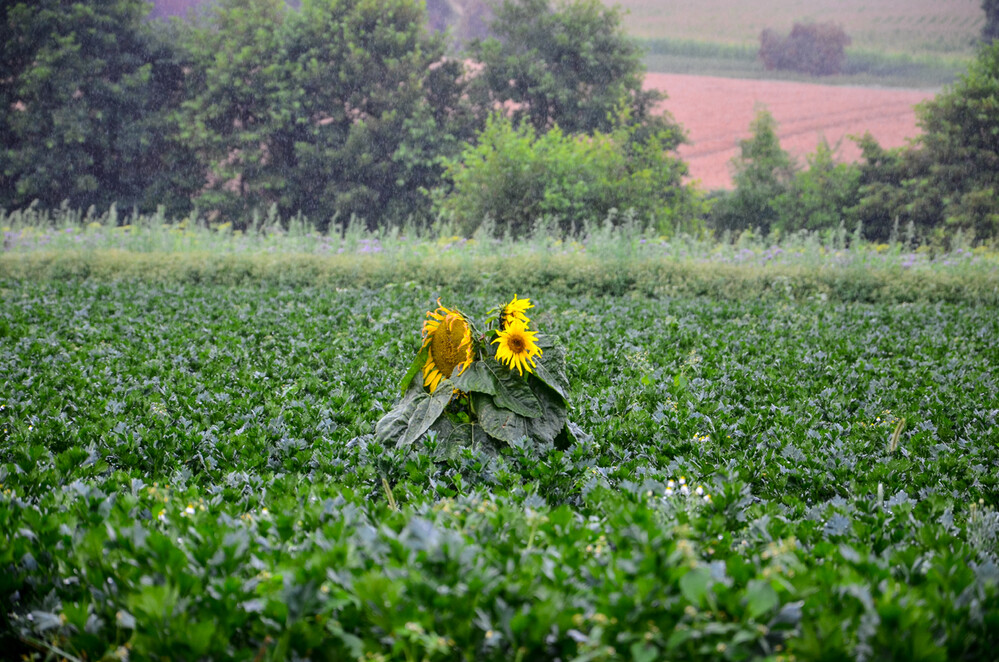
{"x": 237, "y": 104}
{"x": 819, "y": 197}
{"x": 86, "y": 88}
{"x": 561, "y": 62}
{"x": 990, "y": 31}
{"x": 948, "y": 180}
{"x": 339, "y": 108}
{"x": 763, "y": 172}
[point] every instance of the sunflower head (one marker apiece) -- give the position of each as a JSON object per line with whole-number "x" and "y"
{"x": 448, "y": 338}
{"x": 516, "y": 310}
{"x": 517, "y": 346}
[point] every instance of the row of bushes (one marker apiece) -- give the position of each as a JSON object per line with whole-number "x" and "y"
{"x": 575, "y": 273}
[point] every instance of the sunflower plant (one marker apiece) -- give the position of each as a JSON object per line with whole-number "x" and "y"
{"x": 488, "y": 387}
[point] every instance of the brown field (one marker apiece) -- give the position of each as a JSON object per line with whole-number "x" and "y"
{"x": 716, "y": 112}
{"x": 904, "y": 26}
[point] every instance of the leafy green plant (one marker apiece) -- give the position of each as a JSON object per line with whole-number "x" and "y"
{"x": 189, "y": 470}
{"x": 467, "y": 384}
{"x": 516, "y": 176}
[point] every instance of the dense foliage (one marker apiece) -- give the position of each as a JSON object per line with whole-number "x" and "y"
{"x": 762, "y": 173}
{"x": 515, "y": 176}
{"x": 812, "y": 48}
{"x": 949, "y": 179}
{"x": 944, "y": 184}
{"x": 190, "y": 471}
{"x": 339, "y": 108}
{"x": 327, "y": 108}
{"x": 86, "y": 89}
{"x": 561, "y": 63}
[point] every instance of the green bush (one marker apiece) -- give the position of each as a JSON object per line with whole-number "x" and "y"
{"x": 516, "y": 176}
{"x": 763, "y": 172}
{"x": 818, "y": 198}
{"x": 946, "y": 182}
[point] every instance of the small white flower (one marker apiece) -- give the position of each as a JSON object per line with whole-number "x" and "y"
{"x": 683, "y": 480}
{"x": 670, "y": 483}
{"x": 669, "y": 491}
{"x": 699, "y": 491}
{"x": 190, "y": 509}
{"x": 684, "y": 490}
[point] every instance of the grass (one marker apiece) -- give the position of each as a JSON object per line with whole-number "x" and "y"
{"x": 188, "y": 470}
{"x": 615, "y": 257}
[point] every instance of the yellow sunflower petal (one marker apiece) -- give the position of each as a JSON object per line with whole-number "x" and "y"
{"x": 516, "y": 310}
{"x": 448, "y": 338}
{"x": 517, "y": 347}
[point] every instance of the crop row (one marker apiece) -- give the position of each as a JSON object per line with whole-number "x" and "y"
{"x": 190, "y": 471}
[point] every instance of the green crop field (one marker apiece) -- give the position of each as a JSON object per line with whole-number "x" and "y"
{"x": 785, "y": 469}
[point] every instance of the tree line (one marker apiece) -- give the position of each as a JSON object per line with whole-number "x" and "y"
{"x": 340, "y": 109}
{"x": 331, "y": 109}
{"x": 944, "y": 182}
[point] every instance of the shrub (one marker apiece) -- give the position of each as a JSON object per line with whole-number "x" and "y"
{"x": 946, "y": 181}
{"x": 820, "y": 197}
{"x": 516, "y": 176}
{"x": 763, "y": 172}
{"x": 812, "y": 48}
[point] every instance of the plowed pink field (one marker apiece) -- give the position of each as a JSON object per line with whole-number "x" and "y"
{"x": 717, "y": 112}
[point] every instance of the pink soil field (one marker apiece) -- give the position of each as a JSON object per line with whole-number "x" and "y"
{"x": 716, "y": 112}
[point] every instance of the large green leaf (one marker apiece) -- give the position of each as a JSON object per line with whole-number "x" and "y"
{"x": 498, "y": 422}
{"x": 427, "y": 411}
{"x": 553, "y": 413}
{"x": 477, "y": 379}
{"x": 550, "y": 365}
{"x": 414, "y": 367}
{"x": 393, "y": 425}
{"x": 512, "y": 391}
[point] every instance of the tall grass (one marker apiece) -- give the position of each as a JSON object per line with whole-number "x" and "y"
{"x": 615, "y": 256}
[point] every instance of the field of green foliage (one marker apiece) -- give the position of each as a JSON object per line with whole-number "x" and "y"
{"x": 791, "y": 452}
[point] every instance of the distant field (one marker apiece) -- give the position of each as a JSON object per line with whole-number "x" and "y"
{"x": 716, "y": 113}
{"x": 914, "y": 27}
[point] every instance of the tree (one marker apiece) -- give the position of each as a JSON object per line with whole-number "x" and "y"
{"x": 569, "y": 64}
{"x": 812, "y": 48}
{"x": 818, "y": 198}
{"x": 516, "y": 176}
{"x": 948, "y": 180}
{"x": 990, "y": 31}
{"x": 86, "y": 89}
{"x": 340, "y": 108}
{"x": 763, "y": 172}
{"x": 237, "y": 106}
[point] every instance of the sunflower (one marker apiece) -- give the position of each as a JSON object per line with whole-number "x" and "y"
{"x": 517, "y": 346}
{"x": 450, "y": 346}
{"x": 515, "y": 311}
